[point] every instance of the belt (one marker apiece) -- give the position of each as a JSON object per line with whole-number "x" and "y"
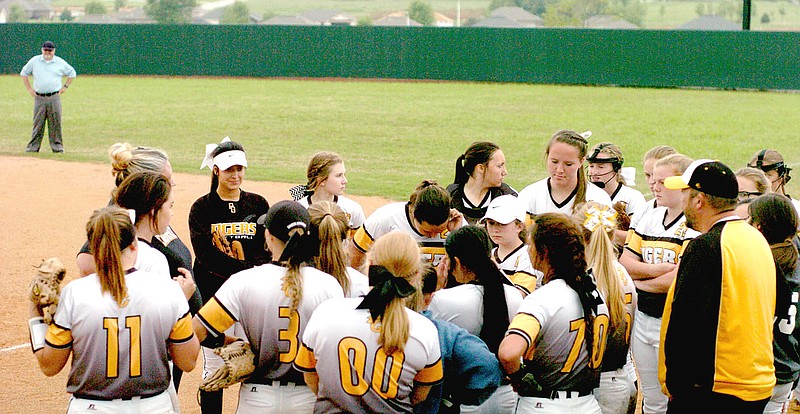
{"x": 97, "y": 398}
{"x": 557, "y": 394}
{"x": 47, "y": 94}
{"x": 278, "y": 382}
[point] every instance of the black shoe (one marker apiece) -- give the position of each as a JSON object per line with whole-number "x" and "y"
{"x": 58, "y": 152}
{"x": 29, "y": 150}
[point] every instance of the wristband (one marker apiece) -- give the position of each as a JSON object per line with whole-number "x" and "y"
{"x": 66, "y": 86}
{"x": 38, "y": 330}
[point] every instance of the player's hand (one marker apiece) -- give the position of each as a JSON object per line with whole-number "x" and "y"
{"x": 62, "y": 90}
{"x": 442, "y": 273}
{"x": 32, "y": 92}
{"x": 186, "y": 282}
{"x": 34, "y": 311}
{"x": 455, "y": 220}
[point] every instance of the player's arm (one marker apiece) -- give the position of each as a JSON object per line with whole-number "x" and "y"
{"x": 658, "y": 284}
{"x": 51, "y": 359}
{"x": 510, "y": 352}
{"x": 27, "y": 83}
{"x": 312, "y": 381}
{"x": 641, "y": 270}
{"x": 85, "y": 264}
{"x": 184, "y": 355}
{"x": 419, "y": 393}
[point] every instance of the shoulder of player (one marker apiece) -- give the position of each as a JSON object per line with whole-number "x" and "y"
{"x": 253, "y": 198}
{"x": 537, "y": 186}
{"x": 386, "y": 213}
{"x": 504, "y": 189}
{"x": 627, "y": 193}
{"x": 595, "y": 193}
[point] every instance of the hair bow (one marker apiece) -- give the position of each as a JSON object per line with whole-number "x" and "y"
{"x": 131, "y": 215}
{"x": 600, "y": 216}
{"x": 299, "y": 191}
{"x": 208, "y": 161}
{"x": 386, "y": 286}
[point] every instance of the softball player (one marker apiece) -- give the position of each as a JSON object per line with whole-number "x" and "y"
{"x": 605, "y": 166}
{"x": 752, "y": 183}
{"x": 567, "y": 185}
{"x": 120, "y": 325}
{"x": 617, "y": 392}
{"x": 554, "y": 346}
{"x": 774, "y": 216}
{"x": 327, "y": 182}
{"x": 273, "y": 303}
{"x": 427, "y": 217}
{"x": 651, "y": 255}
{"x": 225, "y": 236}
{"x": 648, "y": 164}
{"x": 480, "y": 171}
{"x": 483, "y": 304}
{"x": 504, "y": 221}
{"x": 330, "y": 225}
{"x": 773, "y": 164}
{"x": 373, "y": 355}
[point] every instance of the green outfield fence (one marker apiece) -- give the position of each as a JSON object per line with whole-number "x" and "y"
{"x": 655, "y": 58}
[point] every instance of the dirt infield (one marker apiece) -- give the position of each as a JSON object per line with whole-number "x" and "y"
{"x": 63, "y": 195}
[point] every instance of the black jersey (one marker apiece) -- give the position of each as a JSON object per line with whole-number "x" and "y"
{"x": 226, "y": 238}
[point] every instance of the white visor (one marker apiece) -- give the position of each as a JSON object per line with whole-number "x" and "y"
{"x": 230, "y": 158}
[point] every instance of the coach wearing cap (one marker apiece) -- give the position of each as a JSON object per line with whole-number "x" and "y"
{"x": 48, "y": 71}
{"x": 716, "y": 334}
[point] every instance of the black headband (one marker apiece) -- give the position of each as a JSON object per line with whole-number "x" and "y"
{"x": 386, "y": 286}
{"x": 615, "y": 161}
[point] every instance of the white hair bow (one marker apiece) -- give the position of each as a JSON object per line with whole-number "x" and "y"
{"x": 600, "y": 216}
{"x": 208, "y": 161}
{"x": 132, "y": 215}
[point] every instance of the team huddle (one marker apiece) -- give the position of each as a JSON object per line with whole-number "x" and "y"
{"x": 573, "y": 295}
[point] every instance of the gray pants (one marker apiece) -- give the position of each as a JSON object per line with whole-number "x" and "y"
{"x": 46, "y": 110}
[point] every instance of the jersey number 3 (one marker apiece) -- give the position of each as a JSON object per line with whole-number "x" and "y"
{"x": 289, "y": 334}
{"x": 134, "y": 326}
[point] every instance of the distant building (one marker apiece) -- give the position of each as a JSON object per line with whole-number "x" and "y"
{"x": 288, "y": 21}
{"x": 397, "y": 20}
{"x": 135, "y": 15}
{"x": 323, "y": 17}
{"x": 709, "y": 22}
{"x": 440, "y": 20}
{"x": 519, "y": 15}
{"x": 501, "y": 22}
{"x": 33, "y": 10}
{"x": 608, "y": 22}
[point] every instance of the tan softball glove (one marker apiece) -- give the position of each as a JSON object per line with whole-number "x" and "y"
{"x": 45, "y": 287}
{"x": 238, "y": 363}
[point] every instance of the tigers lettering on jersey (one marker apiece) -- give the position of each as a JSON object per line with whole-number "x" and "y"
{"x": 235, "y": 229}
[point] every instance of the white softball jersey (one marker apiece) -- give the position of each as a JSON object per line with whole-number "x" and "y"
{"x": 463, "y": 305}
{"x": 395, "y": 216}
{"x": 517, "y": 266}
{"x": 255, "y": 298}
{"x": 353, "y": 210}
{"x": 630, "y": 197}
{"x": 356, "y": 375}
{"x": 120, "y": 352}
{"x": 538, "y": 199}
{"x": 551, "y": 321}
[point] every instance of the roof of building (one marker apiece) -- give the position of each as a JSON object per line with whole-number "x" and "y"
{"x": 326, "y": 15}
{"x": 710, "y": 22}
{"x": 606, "y": 21}
{"x": 499, "y": 22}
{"x": 394, "y": 20}
{"x": 288, "y": 21}
{"x": 519, "y": 15}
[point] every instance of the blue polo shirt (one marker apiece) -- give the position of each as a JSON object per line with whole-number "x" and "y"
{"x": 47, "y": 75}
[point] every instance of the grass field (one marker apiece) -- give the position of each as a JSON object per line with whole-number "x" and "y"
{"x": 393, "y": 134}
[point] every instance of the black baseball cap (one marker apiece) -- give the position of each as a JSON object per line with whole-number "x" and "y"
{"x": 284, "y": 216}
{"x": 707, "y": 176}
{"x": 48, "y": 45}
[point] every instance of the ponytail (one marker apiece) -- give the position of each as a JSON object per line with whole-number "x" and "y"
{"x": 461, "y": 173}
{"x": 110, "y": 231}
{"x": 397, "y": 254}
{"x": 430, "y": 203}
{"x": 332, "y": 226}
{"x": 472, "y": 246}
{"x": 298, "y": 251}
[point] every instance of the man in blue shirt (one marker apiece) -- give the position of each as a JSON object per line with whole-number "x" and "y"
{"x": 48, "y": 71}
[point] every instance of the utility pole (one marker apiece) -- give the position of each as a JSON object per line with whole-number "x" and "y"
{"x": 746, "y": 11}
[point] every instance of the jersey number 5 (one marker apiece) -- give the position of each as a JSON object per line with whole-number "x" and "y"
{"x": 111, "y": 326}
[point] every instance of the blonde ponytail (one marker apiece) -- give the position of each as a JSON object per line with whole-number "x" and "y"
{"x": 110, "y": 231}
